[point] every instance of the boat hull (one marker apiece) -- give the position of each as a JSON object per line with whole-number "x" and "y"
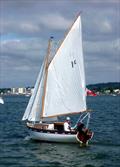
{"x": 53, "y": 137}
{"x": 43, "y": 132}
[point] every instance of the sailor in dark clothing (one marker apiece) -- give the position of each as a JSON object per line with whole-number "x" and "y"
{"x": 80, "y": 127}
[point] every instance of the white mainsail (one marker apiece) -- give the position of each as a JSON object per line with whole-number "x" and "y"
{"x": 65, "y": 87}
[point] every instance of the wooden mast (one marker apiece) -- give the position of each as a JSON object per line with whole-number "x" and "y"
{"x": 46, "y": 74}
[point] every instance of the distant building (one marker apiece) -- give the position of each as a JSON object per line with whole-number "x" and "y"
{"x": 107, "y": 91}
{"x": 29, "y": 91}
{"x": 117, "y": 90}
{"x": 18, "y": 90}
{"x": 14, "y": 90}
{"x": 21, "y": 90}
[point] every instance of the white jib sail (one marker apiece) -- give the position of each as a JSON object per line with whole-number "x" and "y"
{"x": 32, "y": 99}
{"x": 34, "y": 107}
{"x": 35, "y": 113}
{"x": 37, "y": 105}
{"x": 65, "y": 88}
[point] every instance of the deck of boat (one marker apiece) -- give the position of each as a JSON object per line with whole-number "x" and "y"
{"x": 43, "y": 127}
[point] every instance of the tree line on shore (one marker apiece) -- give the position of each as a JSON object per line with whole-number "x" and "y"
{"x": 99, "y": 87}
{"x": 102, "y": 87}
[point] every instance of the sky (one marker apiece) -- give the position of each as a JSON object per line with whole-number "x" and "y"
{"x": 26, "y": 25}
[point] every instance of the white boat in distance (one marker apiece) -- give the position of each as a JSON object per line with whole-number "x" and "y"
{"x": 1, "y": 100}
{"x": 60, "y": 90}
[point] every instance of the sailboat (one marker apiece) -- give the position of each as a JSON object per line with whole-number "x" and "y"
{"x": 1, "y": 100}
{"x": 60, "y": 90}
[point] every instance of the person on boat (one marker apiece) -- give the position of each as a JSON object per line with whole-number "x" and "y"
{"x": 67, "y": 124}
{"x": 80, "y": 127}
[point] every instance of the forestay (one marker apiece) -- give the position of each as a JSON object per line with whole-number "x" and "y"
{"x": 65, "y": 87}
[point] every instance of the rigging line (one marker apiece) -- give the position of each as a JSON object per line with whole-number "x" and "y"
{"x": 84, "y": 117}
{"x": 88, "y": 120}
{"x": 80, "y": 118}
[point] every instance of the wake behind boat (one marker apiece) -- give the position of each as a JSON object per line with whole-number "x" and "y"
{"x": 60, "y": 90}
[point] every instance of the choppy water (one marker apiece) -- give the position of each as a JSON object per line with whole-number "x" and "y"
{"x": 16, "y": 150}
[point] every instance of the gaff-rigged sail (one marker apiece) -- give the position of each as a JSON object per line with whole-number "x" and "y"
{"x": 65, "y": 87}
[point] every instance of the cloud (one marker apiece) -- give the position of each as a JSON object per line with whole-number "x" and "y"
{"x": 106, "y": 47}
{"x": 55, "y": 21}
{"x": 106, "y": 27}
{"x": 41, "y": 28}
{"x": 29, "y": 27}
{"x": 22, "y": 57}
{"x": 102, "y": 54}
{"x": 102, "y": 61}
{"x": 26, "y": 27}
{"x": 19, "y": 28}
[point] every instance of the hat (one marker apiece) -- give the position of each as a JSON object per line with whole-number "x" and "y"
{"x": 68, "y": 118}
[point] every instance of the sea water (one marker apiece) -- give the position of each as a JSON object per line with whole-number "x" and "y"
{"x": 17, "y": 150}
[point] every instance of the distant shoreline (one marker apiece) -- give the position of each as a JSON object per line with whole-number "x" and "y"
{"x": 110, "y": 88}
